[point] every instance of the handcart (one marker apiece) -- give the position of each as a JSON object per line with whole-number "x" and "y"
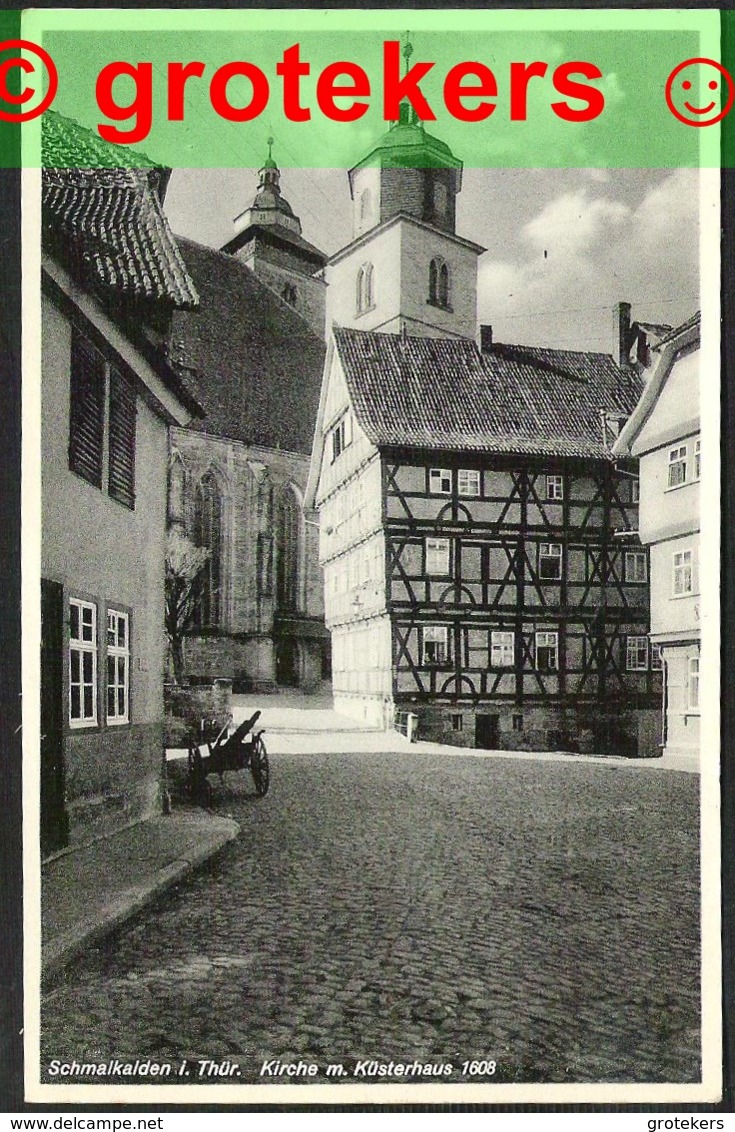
{"x": 227, "y": 751}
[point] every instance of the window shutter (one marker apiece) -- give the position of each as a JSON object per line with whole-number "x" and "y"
{"x": 87, "y": 410}
{"x": 122, "y": 440}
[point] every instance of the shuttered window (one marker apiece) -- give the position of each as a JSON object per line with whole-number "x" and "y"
{"x": 87, "y": 410}
{"x": 122, "y": 440}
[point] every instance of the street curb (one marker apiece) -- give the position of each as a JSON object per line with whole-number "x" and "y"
{"x": 112, "y": 915}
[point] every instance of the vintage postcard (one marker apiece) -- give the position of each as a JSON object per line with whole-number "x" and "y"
{"x": 371, "y": 543}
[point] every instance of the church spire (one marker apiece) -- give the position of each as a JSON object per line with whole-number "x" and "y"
{"x": 407, "y": 116}
{"x": 269, "y": 174}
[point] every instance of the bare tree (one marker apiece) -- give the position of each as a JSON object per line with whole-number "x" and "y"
{"x": 184, "y": 565}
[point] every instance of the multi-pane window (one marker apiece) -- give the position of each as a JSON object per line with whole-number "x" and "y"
{"x": 547, "y": 652}
{"x": 89, "y": 380}
{"x": 118, "y": 666}
{"x": 678, "y": 466}
{"x": 697, "y": 459}
{"x": 468, "y": 481}
{"x": 554, "y": 487}
{"x": 502, "y": 649}
{"x": 438, "y": 556}
{"x": 657, "y": 659}
{"x": 636, "y": 654}
{"x": 683, "y": 583}
{"x": 341, "y": 435}
{"x": 435, "y": 644}
{"x": 549, "y": 561}
{"x": 440, "y": 481}
{"x": 82, "y": 663}
{"x": 693, "y": 684}
{"x": 365, "y": 298}
{"x": 457, "y": 723}
{"x": 636, "y": 566}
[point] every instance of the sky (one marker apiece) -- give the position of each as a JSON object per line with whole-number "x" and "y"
{"x": 564, "y": 246}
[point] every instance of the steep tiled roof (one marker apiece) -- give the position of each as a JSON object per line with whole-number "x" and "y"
{"x": 674, "y": 332}
{"x": 254, "y": 363}
{"x": 102, "y": 215}
{"x": 445, "y": 393}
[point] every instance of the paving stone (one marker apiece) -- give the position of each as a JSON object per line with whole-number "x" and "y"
{"x": 526, "y": 911}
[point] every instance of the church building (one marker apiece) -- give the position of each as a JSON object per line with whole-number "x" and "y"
{"x": 481, "y": 562}
{"x": 253, "y": 352}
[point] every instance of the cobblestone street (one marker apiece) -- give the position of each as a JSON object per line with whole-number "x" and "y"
{"x": 401, "y": 906}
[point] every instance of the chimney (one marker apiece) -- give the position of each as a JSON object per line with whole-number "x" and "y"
{"x": 486, "y": 339}
{"x": 621, "y": 333}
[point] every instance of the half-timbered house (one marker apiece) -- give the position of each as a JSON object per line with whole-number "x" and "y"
{"x": 482, "y": 567}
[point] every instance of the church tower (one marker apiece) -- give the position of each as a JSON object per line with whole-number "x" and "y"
{"x": 268, "y": 240}
{"x": 406, "y": 269}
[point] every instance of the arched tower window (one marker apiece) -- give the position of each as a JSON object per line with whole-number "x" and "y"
{"x": 438, "y": 282}
{"x": 208, "y": 507}
{"x": 365, "y": 290}
{"x": 289, "y": 551}
{"x": 366, "y": 204}
{"x": 290, "y": 294}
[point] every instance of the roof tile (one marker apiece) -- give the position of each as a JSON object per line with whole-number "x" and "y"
{"x": 102, "y": 212}
{"x": 445, "y": 393}
{"x": 255, "y": 364}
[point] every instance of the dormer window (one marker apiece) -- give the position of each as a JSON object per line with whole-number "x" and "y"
{"x": 439, "y": 283}
{"x": 365, "y": 290}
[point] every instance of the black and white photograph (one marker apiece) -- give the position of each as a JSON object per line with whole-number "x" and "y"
{"x": 374, "y": 745}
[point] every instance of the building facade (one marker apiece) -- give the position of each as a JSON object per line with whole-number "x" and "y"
{"x": 664, "y": 435}
{"x": 108, "y": 399}
{"x": 253, "y": 352}
{"x": 481, "y": 563}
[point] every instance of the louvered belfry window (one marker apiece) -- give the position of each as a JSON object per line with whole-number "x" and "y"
{"x": 122, "y": 439}
{"x": 87, "y": 410}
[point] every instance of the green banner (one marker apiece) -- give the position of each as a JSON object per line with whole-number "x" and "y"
{"x": 552, "y": 88}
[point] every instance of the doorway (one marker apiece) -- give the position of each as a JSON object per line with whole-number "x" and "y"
{"x": 54, "y": 824}
{"x": 287, "y": 663}
{"x": 487, "y": 732}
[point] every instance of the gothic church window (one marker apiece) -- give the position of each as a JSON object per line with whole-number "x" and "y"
{"x": 289, "y": 551}
{"x": 176, "y": 484}
{"x": 208, "y": 507}
{"x": 365, "y": 289}
{"x": 439, "y": 283}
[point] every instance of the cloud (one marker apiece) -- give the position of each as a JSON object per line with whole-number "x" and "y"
{"x": 586, "y": 250}
{"x": 570, "y": 224}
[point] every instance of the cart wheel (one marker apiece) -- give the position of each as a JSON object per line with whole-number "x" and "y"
{"x": 259, "y": 766}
